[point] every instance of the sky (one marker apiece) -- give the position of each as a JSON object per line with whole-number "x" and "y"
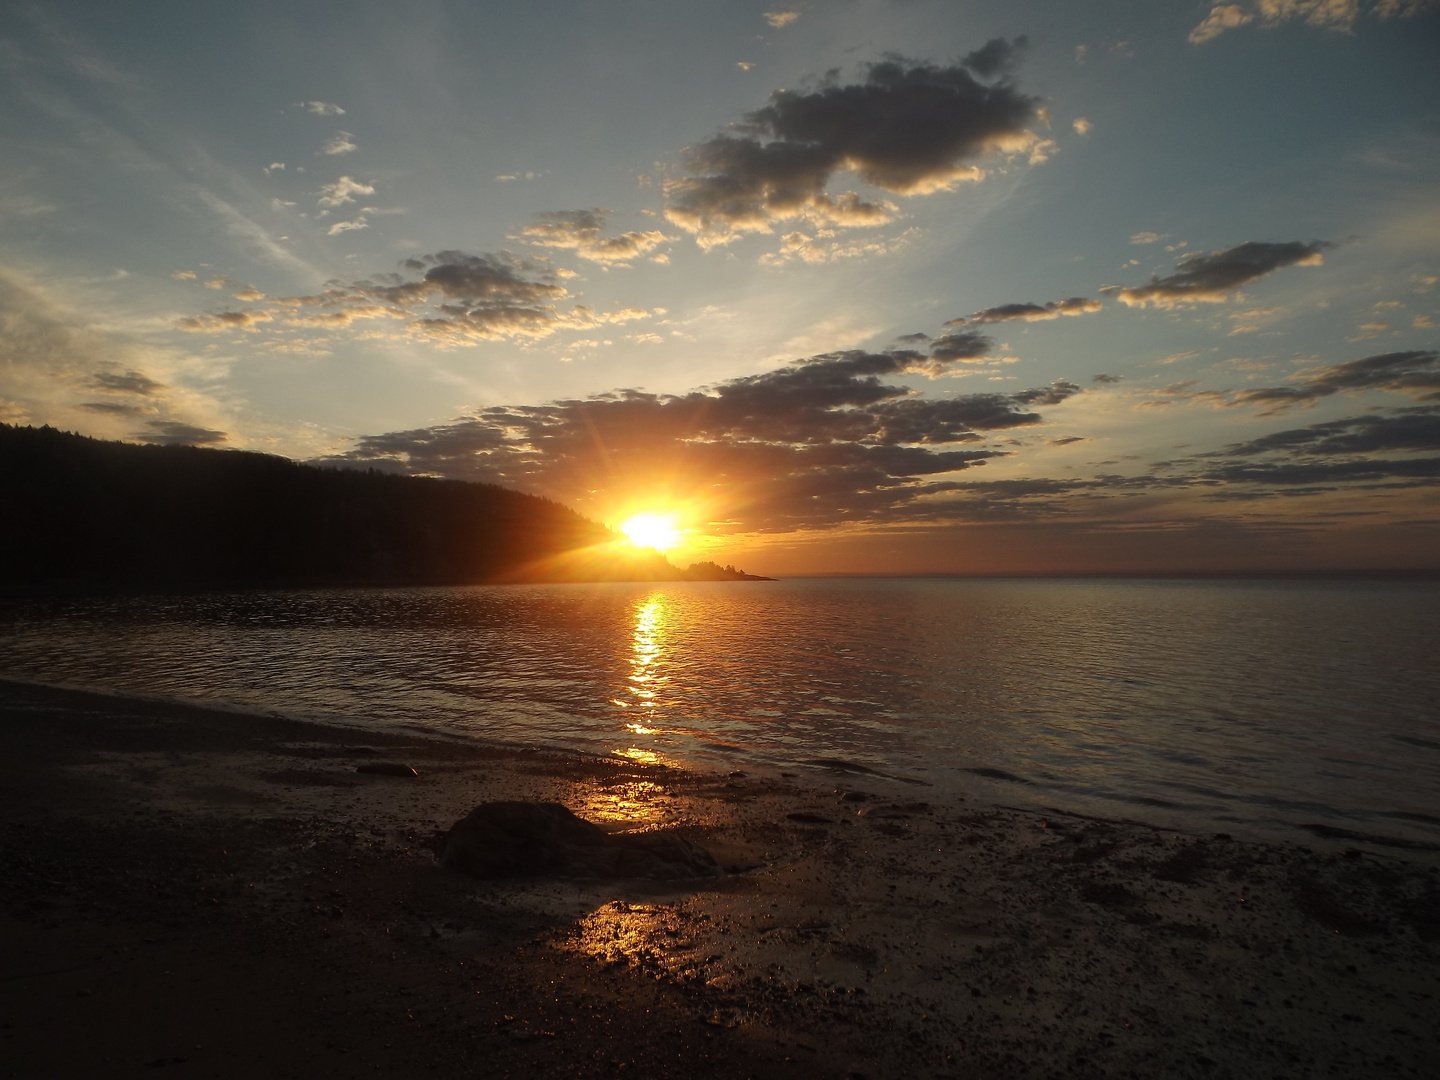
{"x": 913, "y": 286}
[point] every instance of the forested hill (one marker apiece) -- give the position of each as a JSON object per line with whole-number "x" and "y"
{"x": 82, "y": 512}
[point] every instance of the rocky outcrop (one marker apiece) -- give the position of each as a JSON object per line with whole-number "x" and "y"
{"x": 544, "y": 839}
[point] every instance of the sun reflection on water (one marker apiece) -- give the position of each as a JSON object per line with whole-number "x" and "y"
{"x": 647, "y": 651}
{"x": 645, "y": 684}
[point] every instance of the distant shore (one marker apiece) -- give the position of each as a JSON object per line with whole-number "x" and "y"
{"x": 224, "y": 893}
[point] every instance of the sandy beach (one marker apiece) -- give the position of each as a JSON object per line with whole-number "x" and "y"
{"x": 191, "y": 892}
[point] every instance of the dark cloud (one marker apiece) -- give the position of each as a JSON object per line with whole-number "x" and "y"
{"x": 1415, "y": 373}
{"x": 115, "y": 408}
{"x": 1327, "y": 472}
{"x": 1105, "y": 378}
{"x": 1214, "y": 276}
{"x": 174, "y": 433}
{"x": 996, "y": 56}
{"x": 450, "y": 297}
{"x": 961, "y": 346}
{"x": 1404, "y": 429}
{"x": 580, "y": 231}
{"x": 1075, "y": 305}
{"x": 828, "y": 439}
{"x": 908, "y": 128}
{"x": 131, "y": 382}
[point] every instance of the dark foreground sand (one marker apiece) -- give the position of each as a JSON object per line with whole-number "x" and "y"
{"x": 194, "y": 893}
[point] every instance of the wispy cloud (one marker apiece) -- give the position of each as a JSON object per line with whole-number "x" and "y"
{"x": 343, "y": 191}
{"x": 1215, "y": 276}
{"x": 342, "y": 142}
{"x": 580, "y": 231}
{"x": 1336, "y": 15}
{"x": 449, "y": 298}
{"x": 1075, "y": 305}
{"x": 1415, "y": 373}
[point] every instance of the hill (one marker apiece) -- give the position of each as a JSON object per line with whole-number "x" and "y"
{"x": 84, "y": 512}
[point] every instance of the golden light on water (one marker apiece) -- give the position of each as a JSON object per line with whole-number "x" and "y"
{"x": 648, "y": 646}
{"x": 645, "y": 683}
{"x": 658, "y": 531}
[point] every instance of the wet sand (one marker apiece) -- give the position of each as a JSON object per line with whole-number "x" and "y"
{"x": 186, "y": 892}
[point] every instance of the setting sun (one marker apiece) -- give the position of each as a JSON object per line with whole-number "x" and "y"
{"x": 656, "y": 531}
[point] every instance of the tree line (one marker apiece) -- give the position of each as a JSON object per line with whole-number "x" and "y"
{"x": 85, "y": 512}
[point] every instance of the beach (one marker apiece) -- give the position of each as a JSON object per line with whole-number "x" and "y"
{"x": 213, "y": 893}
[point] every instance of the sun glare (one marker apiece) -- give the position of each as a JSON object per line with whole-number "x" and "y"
{"x": 652, "y": 531}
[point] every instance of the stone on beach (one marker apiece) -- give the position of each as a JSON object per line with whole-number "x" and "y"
{"x": 544, "y": 839}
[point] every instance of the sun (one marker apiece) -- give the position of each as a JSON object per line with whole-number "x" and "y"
{"x": 656, "y": 531}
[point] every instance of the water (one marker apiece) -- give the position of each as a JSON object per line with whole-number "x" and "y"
{"x": 1252, "y": 706}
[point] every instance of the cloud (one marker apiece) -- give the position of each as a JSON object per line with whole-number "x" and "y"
{"x": 347, "y": 226}
{"x": 224, "y": 320}
{"x": 1215, "y": 276}
{"x": 1416, "y": 429}
{"x": 781, "y": 19}
{"x": 343, "y": 191}
{"x": 1075, "y": 305}
{"x": 184, "y": 275}
{"x": 1082, "y": 126}
{"x": 1337, "y": 15}
{"x": 579, "y": 231}
{"x": 130, "y": 382}
{"x": 340, "y": 143}
{"x": 449, "y": 298}
{"x": 1222, "y": 17}
{"x": 175, "y": 433}
{"x": 54, "y": 363}
{"x": 828, "y": 439}
{"x": 822, "y": 248}
{"x": 1148, "y": 237}
{"x": 1415, "y": 373}
{"x": 909, "y": 128}
{"x": 1106, "y": 378}
{"x": 996, "y": 57}
{"x": 323, "y": 108}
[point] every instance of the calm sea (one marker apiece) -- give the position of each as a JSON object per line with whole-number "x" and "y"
{"x": 1252, "y": 706}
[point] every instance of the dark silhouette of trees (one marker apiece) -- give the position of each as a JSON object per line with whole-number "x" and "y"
{"x": 81, "y": 512}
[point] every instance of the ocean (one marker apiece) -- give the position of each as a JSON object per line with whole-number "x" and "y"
{"x": 1255, "y": 707}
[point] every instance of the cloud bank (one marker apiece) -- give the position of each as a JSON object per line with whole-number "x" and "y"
{"x": 822, "y": 441}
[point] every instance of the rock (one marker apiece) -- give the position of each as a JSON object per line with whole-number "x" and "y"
{"x": 386, "y": 768}
{"x": 544, "y": 839}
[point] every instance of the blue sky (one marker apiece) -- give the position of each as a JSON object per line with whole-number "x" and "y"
{"x": 901, "y": 286}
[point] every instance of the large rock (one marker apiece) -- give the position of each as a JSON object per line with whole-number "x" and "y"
{"x": 543, "y": 839}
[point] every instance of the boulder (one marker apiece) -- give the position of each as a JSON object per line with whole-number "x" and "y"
{"x": 544, "y": 839}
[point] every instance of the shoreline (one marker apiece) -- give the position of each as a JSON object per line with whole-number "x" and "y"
{"x": 224, "y": 888}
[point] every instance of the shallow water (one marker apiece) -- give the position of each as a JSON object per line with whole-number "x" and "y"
{"x": 1254, "y": 705}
